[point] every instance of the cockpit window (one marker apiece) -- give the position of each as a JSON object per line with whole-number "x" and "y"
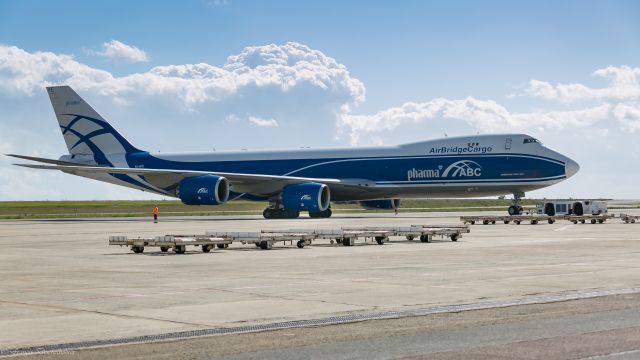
{"x": 531, "y": 141}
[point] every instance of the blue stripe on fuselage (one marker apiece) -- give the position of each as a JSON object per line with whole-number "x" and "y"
{"x": 499, "y": 167}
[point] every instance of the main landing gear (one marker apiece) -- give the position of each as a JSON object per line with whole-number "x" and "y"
{"x": 516, "y": 208}
{"x": 320, "y": 214}
{"x": 280, "y": 213}
{"x": 276, "y": 211}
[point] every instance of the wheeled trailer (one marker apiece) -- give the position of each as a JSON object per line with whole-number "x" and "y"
{"x": 594, "y": 219}
{"x": 630, "y": 219}
{"x": 178, "y": 243}
{"x": 507, "y": 219}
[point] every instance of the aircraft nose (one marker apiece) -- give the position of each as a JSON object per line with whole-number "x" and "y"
{"x": 571, "y": 167}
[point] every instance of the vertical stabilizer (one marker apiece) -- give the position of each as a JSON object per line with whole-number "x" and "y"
{"x": 84, "y": 130}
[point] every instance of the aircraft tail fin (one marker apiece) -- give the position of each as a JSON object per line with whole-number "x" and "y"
{"x": 83, "y": 129}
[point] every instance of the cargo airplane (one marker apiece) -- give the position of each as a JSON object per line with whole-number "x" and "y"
{"x": 308, "y": 180}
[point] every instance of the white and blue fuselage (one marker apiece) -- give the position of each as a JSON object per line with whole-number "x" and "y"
{"x": 479, "y": 165}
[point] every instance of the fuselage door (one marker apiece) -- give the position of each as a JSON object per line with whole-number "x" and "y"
{"x": 507, "y": 144}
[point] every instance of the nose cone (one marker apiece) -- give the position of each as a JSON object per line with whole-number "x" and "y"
{"x": 570, "y": 167}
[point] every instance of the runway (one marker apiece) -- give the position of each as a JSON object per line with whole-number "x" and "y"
{"x": 63, "y": 284}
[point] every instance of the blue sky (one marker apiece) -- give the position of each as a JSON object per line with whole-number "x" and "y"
{"x": 386, "y": 72}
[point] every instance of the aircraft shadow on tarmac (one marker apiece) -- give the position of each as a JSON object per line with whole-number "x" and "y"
{"x": 225, "y": 218}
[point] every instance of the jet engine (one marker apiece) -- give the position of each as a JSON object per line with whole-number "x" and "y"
{"x": 204, "y": 190}
{"x": 388, "y": 204}
{"x": 306, "y": 197}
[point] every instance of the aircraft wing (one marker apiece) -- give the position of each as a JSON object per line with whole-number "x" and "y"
{"x": 233, "y": 177}
{"x": 166, "y": 180}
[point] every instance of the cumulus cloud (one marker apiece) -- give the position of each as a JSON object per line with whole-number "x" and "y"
{"x": 23, "y": 72}
{"x": 281, "y": 66}
{"x": 484, "y": 115}
{"x": 628, "y": 116}
{"x": 116, "y": 50}
{"x": 618, "y": 100}
{"x": 263, "y": 122}
{"x": 623, "y": 84}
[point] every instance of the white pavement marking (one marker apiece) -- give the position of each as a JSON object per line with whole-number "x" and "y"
{"x": 563, "y": 228}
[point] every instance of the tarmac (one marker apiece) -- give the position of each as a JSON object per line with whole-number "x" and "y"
{"x": 63, "y": 284}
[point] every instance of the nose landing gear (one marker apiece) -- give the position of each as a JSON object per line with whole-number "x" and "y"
{"x": 516, "y": 208}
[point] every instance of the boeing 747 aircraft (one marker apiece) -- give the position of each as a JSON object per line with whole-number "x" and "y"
{"x": 306, "y": 180}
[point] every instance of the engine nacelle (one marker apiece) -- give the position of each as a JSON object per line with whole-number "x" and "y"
{"x": 306, "y": 197}
{"x": 389, "y": 204}
{"x": 204, "y": 190}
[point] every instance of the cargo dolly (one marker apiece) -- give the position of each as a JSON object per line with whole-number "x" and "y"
{"x": 382, "y": 234}
{"x": 516, "y": 219}
{"x": 629, "y": 218}
{"x": 265, "y": 238}
{"x": 590, "y": 218}
{"x": 176, "y": 242}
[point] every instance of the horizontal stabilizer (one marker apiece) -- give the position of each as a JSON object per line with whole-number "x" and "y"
{"x": 42, "y": 160}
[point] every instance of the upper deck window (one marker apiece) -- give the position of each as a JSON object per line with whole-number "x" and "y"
{"x": 531, "y": 141}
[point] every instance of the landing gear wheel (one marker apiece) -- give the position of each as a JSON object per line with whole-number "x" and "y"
{"x": 515, "y": 210}
{"x": 320, "y": 214}
{"x": 274, "y": 213}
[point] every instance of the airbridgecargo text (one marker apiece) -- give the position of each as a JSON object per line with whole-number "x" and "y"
{"x": 460, "y": 150}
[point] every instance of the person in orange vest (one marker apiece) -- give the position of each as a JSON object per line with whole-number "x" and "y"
{"x": 155, "y": 214}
